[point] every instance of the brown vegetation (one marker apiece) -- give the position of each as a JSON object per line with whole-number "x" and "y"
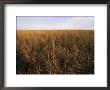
{"x": 55, "y": 52}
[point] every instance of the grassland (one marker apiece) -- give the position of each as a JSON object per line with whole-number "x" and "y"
{"x": 55, "y": 52}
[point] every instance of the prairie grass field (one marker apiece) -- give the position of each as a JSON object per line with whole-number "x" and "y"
{"x": 55, "y": 52}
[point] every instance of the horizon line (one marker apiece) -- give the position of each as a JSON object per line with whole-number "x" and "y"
{"x": 54, "y": 29}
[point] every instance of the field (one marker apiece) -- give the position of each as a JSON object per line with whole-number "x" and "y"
{"x": 55, "y": 52}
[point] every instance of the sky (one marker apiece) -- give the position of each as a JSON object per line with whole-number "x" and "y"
{"x": 54, "y": 22}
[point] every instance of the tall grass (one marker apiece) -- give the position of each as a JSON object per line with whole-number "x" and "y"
{"x": 55, "y": 52}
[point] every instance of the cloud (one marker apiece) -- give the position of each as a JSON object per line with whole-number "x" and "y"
{"x": 79, "y": 23}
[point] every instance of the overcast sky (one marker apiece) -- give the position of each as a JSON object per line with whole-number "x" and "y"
{"x": 46, "y": 23}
